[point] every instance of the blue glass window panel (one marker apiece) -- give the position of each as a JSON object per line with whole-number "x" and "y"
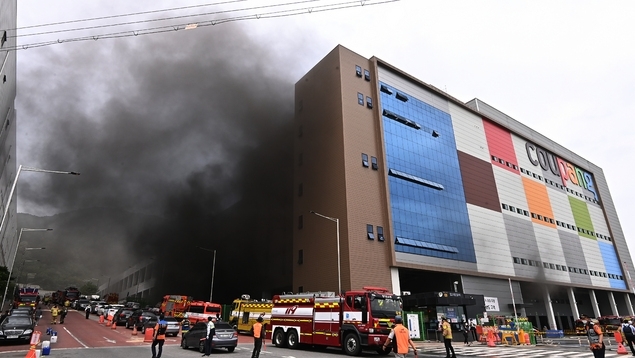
{"x": 611, "y": 264}
{"x": 421, "y": 213}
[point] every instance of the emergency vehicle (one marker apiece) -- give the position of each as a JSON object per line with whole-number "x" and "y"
{"x": 354, "y": 321}
{"x": 175, "y": 305}
{"x": 26, "y": 297}
{"x": 610, "y": 324}
{"x": 246, "y": 311}
{"x": 200, "y": 310}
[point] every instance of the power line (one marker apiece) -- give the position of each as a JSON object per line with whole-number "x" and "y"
{"x": 123, "y": 15}
{"x": 187, "y": 26}
{"x": 158, "y": 20}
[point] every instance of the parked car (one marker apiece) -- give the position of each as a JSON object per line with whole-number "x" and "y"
{"x": 16, "y": 328}
{"x": 111, "y": 310}
{"x": 138, "y": 318}
{"x": 173, "y": 325}
{"x": 226, "y": 337}
{"x": 121, "y": 316}
{"x": 81, "y": 304}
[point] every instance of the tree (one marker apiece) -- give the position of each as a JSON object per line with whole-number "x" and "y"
{"x": 88, "y": 288}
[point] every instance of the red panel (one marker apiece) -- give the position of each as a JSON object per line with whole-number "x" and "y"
{"x": 499, "y": 142}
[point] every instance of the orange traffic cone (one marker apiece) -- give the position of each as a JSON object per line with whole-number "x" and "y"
{"x": 134, "y": 329}
{"x": 620, "y": 347}
{"x": 490, "y": 339}
{"x": 114, "y": 325}
{"x": 31, "y": 354}
{"x": 148, "y": 335}
{"x": 101, "y": 319}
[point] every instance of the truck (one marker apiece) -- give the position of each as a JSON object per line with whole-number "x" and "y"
{"x": 610, "y": 324}
{"x": 175, "y": 305}
{"x": 200, "y": 310}
{"x": 26, "y": 297}
{"x": 245, "y": 312}
{"x": 68, "y": 294}
{"x": 111, "y": 298}
{"x": 353, "y": 321}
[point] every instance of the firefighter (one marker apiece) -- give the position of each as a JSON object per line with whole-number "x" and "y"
{"x": 447, "y": 338}
{"x": 63, "y": 314}
{"x": 211, "y": 332}
{"x": 87, "y": 310}
{"x": 54, "y": 312}
{"x": 400, "y": 338}
{"x": 258, "y": 333}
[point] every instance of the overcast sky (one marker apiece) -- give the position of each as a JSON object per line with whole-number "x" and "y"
{"x": 563, "y": 68}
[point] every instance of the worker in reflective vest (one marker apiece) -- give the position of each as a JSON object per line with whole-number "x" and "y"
{"x": 258, "y": 332}
{"x": 400, "y": 337}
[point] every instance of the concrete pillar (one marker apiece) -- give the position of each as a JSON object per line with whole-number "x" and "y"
{"x": 594, "y": 304}
{"x": 551, "y": 318}
{"x": 613, "y": 304}
{"x": 394, "y": 277}
{"x": 629, "y": 305}
{"x": 573, "y": 303}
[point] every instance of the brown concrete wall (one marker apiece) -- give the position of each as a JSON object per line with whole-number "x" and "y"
{"x": 332, "y": 132}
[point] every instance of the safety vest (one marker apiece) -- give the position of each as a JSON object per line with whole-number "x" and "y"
{"x": 402, "y": 337}
{"x": 160, "y": 329}
{"x": 54, "y": 311}
{"x": 593, "y": 335}
{"x": 257, "y": 329}
{"x": 447, "y": 330}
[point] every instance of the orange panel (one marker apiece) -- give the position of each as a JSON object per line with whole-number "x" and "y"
{"x": 538, "y": 201}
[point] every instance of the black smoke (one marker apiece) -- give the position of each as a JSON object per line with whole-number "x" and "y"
{"x": 189, "y": 132}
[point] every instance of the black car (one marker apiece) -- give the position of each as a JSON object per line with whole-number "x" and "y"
{"x": 138, "y": 318}
{"x": 16, "y": 328}
{"x": 121, "y": 316}
{"x": 226, "y": 337}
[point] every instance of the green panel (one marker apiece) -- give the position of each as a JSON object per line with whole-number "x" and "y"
{"x": 582, "y": 217}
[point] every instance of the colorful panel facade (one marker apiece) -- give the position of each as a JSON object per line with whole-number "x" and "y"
{"x": 501, "y": 148}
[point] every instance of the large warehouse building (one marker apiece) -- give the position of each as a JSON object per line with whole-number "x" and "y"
{"x": 469, "y": 210}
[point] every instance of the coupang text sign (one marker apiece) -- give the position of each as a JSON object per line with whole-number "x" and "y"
{"x": 570, "y": 175}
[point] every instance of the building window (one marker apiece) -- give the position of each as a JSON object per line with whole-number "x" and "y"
{"x": 369, "y": 102}
{"x": 523, "y": 261}
{"x": 370, "y": 233}
{"x": 300, "y": 222}
{"x": 525, "y": 212}
{"x": 365, "y": 160}
{"x": 558, "y": 267}
{"x": 402, "y": 97}
{"x": 511, "y": 208}
{"x": 366, "y": 75}
{"x": 300, "y": 189}
{"x": 519, "y": 210}
{"x": 300, "y": 257}
{"x": 505, "y": 206}
{"x": 380, "y": 233}
{"x": 385, "y": 89}
{"x": 4, "y": 39}
{"x": 358, "y": 71}
{"x": 516, "y": 260}
{"x": 552, "y": 266}
{"x": 373, "y": 162}
{"x": 360, "y": 99}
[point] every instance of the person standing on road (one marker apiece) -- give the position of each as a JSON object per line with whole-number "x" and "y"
{"x": 400, "y": 338}
{"x": 54, "y": 312}
{"x": 596, "y": 339}
{"x": 38, "y": 315}
{"x": 447, "y": 338}
{"x": 63, "y": 314}
{"x": 211, "y": 331}
{"x": 465, "y": 329}
{"x": 628, "y": 333}
{"x": 87, "y": 310}
{"x": 473, "y": 330}
{"x": 159, "y": 336}
{"x": 258, "y": 333}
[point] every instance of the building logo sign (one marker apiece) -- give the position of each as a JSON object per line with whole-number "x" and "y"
{"x": 568, "y": 173}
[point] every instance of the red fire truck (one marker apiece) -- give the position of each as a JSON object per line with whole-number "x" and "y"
{"x": 353, "y": 321}
{"x": 200, "y": 310}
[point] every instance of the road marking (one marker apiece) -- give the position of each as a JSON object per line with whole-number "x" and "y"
{"x": 110, "y": 340}
{"x": 75, "y": 338}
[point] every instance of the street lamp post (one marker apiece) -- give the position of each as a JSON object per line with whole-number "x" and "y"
{"x": 15, "y": 182}
{"x": 339, "y": 267}
{"x": 211, "y": 290}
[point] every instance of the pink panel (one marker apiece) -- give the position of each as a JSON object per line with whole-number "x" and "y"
{"x": 501, "y": 147}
